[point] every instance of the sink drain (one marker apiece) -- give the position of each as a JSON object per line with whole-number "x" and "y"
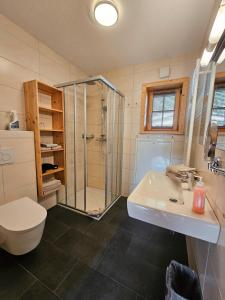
{"x": 173, "y": 200}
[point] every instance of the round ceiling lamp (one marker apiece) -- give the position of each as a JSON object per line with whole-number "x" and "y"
{"x": 106, "y": 13}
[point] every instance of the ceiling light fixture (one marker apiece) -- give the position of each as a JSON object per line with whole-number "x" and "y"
{"x": 106, "y": 13}
{"x": 222, "y": 57}
{"x": 218, "y": 25}
{"x": 206, "y": 57}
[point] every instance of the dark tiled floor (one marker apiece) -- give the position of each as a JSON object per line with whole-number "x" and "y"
{"x": 117, "y": 258}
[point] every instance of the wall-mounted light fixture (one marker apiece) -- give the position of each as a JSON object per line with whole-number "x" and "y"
{"x": 206, "y": 57}
{"x": 218, "y": 25}
{"x": 215, "y": 35}
{"x": 222, "y": 57}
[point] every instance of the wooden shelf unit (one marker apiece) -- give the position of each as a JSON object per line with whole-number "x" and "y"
{"x": 32, "y": 90}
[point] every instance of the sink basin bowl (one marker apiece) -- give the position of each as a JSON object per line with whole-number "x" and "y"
{"x": 150, "y": 202}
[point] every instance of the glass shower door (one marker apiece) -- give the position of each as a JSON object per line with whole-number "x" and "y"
{"x": 96, "y": 111}
{"x": 114, "y": 146}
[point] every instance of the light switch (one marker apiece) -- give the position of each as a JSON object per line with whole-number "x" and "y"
{"x": 6, "y": 155}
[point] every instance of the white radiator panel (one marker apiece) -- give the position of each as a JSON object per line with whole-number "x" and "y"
{"x": 156, "y": 153}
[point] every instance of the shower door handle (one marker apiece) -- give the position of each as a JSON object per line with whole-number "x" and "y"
{"x": 88, "y": 136}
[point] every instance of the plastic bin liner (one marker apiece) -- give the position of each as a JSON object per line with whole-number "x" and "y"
{"x": 182, "y": 283}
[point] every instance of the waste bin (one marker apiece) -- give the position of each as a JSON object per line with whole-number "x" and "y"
{"x": 182, "y": 283}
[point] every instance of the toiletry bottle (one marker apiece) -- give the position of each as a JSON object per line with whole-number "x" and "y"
{"x": 199, "y": 197}
{"x": 14, "y": 124}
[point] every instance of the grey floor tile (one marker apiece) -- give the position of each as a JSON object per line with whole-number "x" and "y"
{"x": 84, "y": 283}
{"x": 48, "y": 263}
{"x": 115, "y": 258}
{"x": 82, "y": 247}
{"x": 38, "y": 292}
{"x": 54, "y": 229}
{"x": 146, "y": 279}
{"x": 13, "y": 278}
{"x": 74, "y": 220}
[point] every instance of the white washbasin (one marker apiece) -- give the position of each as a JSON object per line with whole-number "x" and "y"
{"x": 149, "y": 202}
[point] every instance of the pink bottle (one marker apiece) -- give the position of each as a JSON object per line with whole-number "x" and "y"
{"x": 199, "y": 197}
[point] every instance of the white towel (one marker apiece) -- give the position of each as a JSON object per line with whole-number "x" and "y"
{"x": 179, "y": 169}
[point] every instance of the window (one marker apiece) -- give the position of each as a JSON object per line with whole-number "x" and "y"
{"x": 163, "y": 106}
{"x": 218, "y": 109}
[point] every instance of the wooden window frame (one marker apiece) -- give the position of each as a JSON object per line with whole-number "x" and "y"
{"x": 181, "y": 87}
{"x": 219, "y": 80}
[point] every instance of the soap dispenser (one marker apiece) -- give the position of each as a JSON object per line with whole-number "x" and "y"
{"x": 199, "y": 197}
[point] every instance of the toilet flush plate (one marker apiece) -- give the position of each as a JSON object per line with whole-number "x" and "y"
{"x": 6, "y": 155}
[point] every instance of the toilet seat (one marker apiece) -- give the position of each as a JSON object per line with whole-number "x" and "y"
{"x": 21, "y": 214}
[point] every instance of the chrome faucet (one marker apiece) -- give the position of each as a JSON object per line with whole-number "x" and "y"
{"x": 216, "y": 166}
{"x": 189, "y": 179}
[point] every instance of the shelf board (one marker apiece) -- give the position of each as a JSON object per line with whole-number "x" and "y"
{"x": 49, "y": 110}
{"x": 50, "y": 172}
{"x": 46, "y": 89}
{"x": 52, "y": 150}
{"x": 51, "y": 130}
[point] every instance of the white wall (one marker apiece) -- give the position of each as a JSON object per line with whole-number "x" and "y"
{"x": 129, "y": 80}
{"x": 18, "y": 179}
{"x": 210, "y": 258}
{"x": 23, "y": 58}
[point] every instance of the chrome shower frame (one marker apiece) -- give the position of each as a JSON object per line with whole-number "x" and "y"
{"x": 85, "y": 82}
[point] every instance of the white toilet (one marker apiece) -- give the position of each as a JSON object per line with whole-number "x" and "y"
{"x": 22, "y": 223}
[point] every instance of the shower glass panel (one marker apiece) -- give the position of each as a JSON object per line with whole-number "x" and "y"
{"x": 94, "y": 143}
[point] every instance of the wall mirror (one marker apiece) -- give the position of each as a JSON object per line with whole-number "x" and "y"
{"x": 218, "y": 105}
{"x": 211, "y": 93}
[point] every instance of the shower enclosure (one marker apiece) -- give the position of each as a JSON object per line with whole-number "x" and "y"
{"x": 94, "y": 111}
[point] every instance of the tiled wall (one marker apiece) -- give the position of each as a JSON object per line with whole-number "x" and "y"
{"x": 18, "y": 179}
{"x": 23, "y": 58}
{"x": 129, "y": 80}
{"x": 209, "y": 258}
{"x": 156, "y": 152}
{"x": 96, "y": 154}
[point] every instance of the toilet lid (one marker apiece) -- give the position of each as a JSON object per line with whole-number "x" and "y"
{"x": 21, "y": 214}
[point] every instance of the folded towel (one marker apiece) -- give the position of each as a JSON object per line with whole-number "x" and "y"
{"x": 45, "y": 193}
{"x": 58, "y": 147}
{"x": 51, "y": 182}
{"x": 51, "y": 185}
{"x": 45, "y": 145}
{"x": 179, "y": 169}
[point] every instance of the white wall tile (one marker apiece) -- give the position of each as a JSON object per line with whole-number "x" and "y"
{"x": 52, "y": 71}
{"x": 13, "y": 75}
{"x": 11, "y": 99}
{"x": 2, "y": 195}
{"x": 18, "y": 32}
{"x": 17, "y": 175}
{"x": 17, "y": 51}
{"x": 211, "y": 289}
